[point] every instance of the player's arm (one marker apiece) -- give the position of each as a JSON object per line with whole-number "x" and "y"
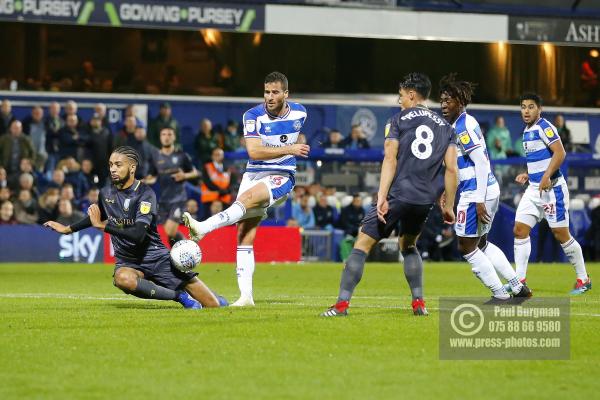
{"x": 450, "y": 183}
{"x": 481, "y": 175}
{"x": 136, "y": 233}
{"x": 257, "y": 151}
{"x": 187, "y": 171}
{"x": 150, "y": 180}
{"x": 66, "y": 230}
{"x": 388, "y": 170}
{"x": 558, "y": 156}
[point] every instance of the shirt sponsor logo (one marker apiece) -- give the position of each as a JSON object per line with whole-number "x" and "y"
{"x": 145, "y": 207}
{"x": 283, "y": 138}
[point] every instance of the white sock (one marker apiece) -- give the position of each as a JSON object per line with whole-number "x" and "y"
{"x": 483, "y": 269}
{"x": 575, "y": 255}
{"x": 245, "y": 269}
{"x": 502, "y": 266}
{"x": 522, "y": 252}
{"x": 230, "y": 216}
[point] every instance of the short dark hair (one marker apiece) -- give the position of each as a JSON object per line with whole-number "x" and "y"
{"x": 417, "y": 81}
{"x": 531, "y": 96}
{"x": 277, "y": 77}
{"x": 462, "y": 91}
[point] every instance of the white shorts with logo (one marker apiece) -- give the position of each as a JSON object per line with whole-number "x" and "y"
{"x": 552, "y": 205}
{"x": 467, "y": 222}
{"x": 279, "y": 184}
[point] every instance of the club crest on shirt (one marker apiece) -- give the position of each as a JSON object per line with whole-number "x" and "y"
{"x": 126, "y": 204}
{"x": 174, "y": 159}
{"x": 145, "y": 207}
{"x": 297, "y": 125}
{"x": 549, "y": 132}
{"x": 464, "y": 138}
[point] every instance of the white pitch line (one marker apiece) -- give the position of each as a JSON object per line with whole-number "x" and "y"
{"x": 269, "y": 303}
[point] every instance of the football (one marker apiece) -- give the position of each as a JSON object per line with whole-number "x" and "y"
{"x": 186, "y": 255}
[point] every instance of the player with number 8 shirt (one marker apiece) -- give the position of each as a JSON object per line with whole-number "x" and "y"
{"x": 417, "y": 144}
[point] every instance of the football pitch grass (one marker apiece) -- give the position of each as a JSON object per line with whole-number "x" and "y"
{"x": 67, "y": 333}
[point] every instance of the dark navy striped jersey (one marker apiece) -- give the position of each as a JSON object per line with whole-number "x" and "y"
{"x": 424, "y": 137}
{"x": 163, "y": 166}
{"x": 122, "y": 209}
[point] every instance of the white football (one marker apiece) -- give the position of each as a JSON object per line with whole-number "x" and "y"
{"x": 186, "y": 255}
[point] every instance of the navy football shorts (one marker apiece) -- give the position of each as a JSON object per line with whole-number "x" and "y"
{"x": 411, "y": 218}
{"x": 172, "y": 211}
{"x": 162, "y": 273}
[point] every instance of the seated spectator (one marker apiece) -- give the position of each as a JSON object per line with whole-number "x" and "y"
{"x": 564, "y": 133}
{"x": 215, "y": 208}
{"x": 26, "y": 167}
{"x": 66, "y": 214}
{"x": 58, "y": 179}
{"x": 67, "y": 193}
{"x": 216, "y": 183}
{"x": 91, "y": 198}
{"x": 35, "y": 128}
{"x": 26, "y": 208}
{"x": 192, "y": 207}
{"x": 54, "y": 123}
{"x": 356, "y": 139}
{"x": 71, "y": 108}
{"x": 351, "y": 216}
{"x": 87, "y": 170}
{"x": 48, "y": 205}
{"x": 302, "y": 213}
{"x": 231, "y": 137}
{"x": 100, "y": 114}
{"x": 498, "y": 140}
{"x": 74, "y": 176}
{"x": 72, "y": 139}
{"x": 14, "y": 147}
{"x": 335, "y": 140}
{"x": 26, "y": 183}
{"x": 127, "y": 133}
{"x": 6, "y": 116}
{"x": 164, "y": 119}
{"x": 205, "y": 141}
{"x": 3, "y": 177}
{"x": 324, "y": 214}
{"x": 101, "y": 142}
{"x": 7, "y": 216}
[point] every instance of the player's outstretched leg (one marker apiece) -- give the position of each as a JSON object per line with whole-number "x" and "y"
{"x": 132, "y": 282}
{"x": 482, "y": 267}
{"x": 504, "y": 269}
{"x": 230, "y": 216}
{"x": 413, "y": 271}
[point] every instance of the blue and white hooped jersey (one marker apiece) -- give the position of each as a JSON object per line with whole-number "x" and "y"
{"x": 274, "y": 132}
{"x": 469, "y": 138}
{"x": 536, "y": 143}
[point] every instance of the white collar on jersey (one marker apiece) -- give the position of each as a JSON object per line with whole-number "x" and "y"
{"x": 285, "y": 105}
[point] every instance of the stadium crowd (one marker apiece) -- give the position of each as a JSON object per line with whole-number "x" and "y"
{"x": 53, "y": 162}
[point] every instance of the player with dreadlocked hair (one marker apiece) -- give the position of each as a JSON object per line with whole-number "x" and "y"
{"x": 127, "y": 210}
{"x": 478, "y": 192}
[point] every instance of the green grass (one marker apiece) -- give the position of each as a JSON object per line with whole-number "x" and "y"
{"x": 67, "y": 333}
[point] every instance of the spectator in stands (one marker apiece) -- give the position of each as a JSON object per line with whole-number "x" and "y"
{"x": 67, "y": 193}
{"x": 205, "y": 141}
{"x": 231, "y": 137}
{"x": 216, "y": 182}
{"x": 303, "y": 213}
{"x": 74, "y": 176}
{"x": 590, "y": 78}
{"x": 498, "y": 140}
{"x": 48, "y": 205}
{"x": 563, "y": 132}
{"x": 215, "y": 208}
{"x": 58, "y": 178}
{"x": 7, "y": 216}
{"x": 71, "y": 139}
{"x": 87, "y": 169}
{"x": 35, "y": 128}
{"x": 14, "y": 147}
{"x": 356, "y": 139}
{"x": 164, "y": 119}
{"x": 144, "y": 149}
{"x": 71, "y": 108}
{"x": 437, "y": 241}
{"x": 66, "y": 214}
{"x": 351, "y": 216}
{"x": 6, "y": 116}
{"x": 100, "y": 113}
{"x": 91, "y": 198}
{"x": 26, "y": 166}
{"x": 127, "y": 133}
{"x": 334, "y": 141}
{"x": 101, "y": 143}
{"x": 5, "y": 194}
{"x": 324, "y": 214}
{"x": 54, "y": 123}
{"x": 26, "y": 183}
{"x": 192, "y": 207}
{"x": 25, "y": 208}
{"x": 3, "y": 177}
